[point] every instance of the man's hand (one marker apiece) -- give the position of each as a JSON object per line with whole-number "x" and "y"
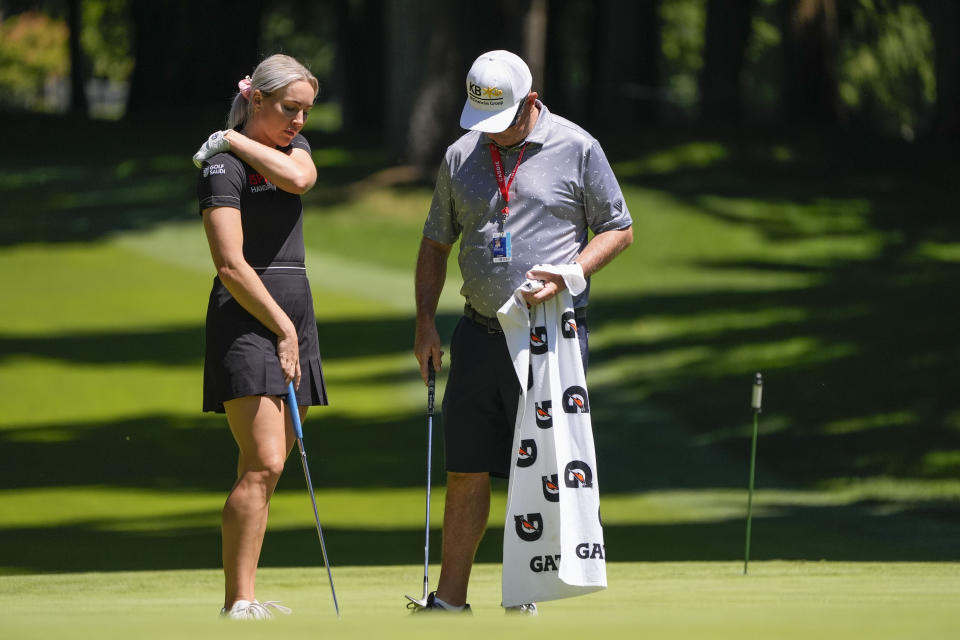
{"x": 216, "y": 143}
{"x": 426, "y": 345}
{"x": 552, "y": 285}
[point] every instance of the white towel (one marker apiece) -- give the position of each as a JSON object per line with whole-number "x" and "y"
{"x": 553, "y": 538}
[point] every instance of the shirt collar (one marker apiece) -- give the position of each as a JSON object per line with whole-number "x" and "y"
{"x": 539, "y": 133}
{"x": 537, "y": 136}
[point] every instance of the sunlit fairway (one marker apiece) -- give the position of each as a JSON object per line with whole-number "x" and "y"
{"x": 745, "y": 260}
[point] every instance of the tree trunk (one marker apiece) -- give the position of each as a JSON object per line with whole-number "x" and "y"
{"x": 435, "y": 109}
{"x": 727, "y": 32}
{"x": 360, "y": 62}
{"x": 450, "y": 50}
{"x": 535, "y": 41}
{"x": 406, "y": 35}
{"x": 944, "y": 19}
{"x": 625, "y": 82}
{"x": 810, "y": 46}
{"x": 78, "y": 67}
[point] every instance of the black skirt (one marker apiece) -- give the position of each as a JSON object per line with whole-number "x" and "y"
{"x": 241, "y": 354}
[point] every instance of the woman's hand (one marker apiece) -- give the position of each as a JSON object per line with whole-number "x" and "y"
{"x": 288, "y": 351}
{"x": 216, "y": 143}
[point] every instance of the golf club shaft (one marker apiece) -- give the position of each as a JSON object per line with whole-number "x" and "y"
{"x": 298, "y": 430}
{"x": 431, "y": 390}
{"x": 316, "y": 515}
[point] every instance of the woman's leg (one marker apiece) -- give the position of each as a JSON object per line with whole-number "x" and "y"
{"x": 264, "y": 435}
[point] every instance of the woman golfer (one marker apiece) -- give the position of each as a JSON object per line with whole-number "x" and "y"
{"x": 260, "y": 330}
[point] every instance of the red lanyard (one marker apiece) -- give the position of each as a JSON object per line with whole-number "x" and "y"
{"x": 498, "y": 171}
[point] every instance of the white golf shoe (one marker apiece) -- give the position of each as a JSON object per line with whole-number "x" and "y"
{"x": 433, "y": 605}
{"x": 529, "y": 609}
{"x": 246, "y": 610}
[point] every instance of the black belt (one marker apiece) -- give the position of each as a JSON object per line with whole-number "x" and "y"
{"x": 492, "y": 325}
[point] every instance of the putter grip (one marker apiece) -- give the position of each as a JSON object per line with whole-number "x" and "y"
{"x": 294, "y": 411}
{"x": 431, "y": 385}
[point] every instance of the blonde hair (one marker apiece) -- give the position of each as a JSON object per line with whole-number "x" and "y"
{"x": 271, "y": 74}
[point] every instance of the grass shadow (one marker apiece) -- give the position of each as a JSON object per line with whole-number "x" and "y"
{"x": 858, "y": 532}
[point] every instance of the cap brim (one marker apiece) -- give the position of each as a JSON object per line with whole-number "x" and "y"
{"x": 487, "y": 121}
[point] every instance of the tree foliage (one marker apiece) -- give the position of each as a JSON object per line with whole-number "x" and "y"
{"x": 682, "y": 35}
{"x": 107, "y": 38}
{"x": 33, "y": 52}
{"x": 394, "y": 67}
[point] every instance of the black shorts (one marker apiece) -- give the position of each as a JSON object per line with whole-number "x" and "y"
{"x": 241, "y": 354}
{"x": 481, "y": 398}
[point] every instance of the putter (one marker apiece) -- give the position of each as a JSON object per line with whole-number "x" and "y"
{"x": 755, "y": 403}
{"x": 431, "y": 386}
{"x": 298, "y": 430}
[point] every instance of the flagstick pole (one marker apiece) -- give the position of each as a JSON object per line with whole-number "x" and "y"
{"x": 756, "y": 404}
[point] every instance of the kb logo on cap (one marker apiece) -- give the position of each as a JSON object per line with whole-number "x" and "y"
{"x": 485, "y": 94}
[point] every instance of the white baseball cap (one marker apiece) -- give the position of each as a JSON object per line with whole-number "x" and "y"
{"x": 496, "y": 83}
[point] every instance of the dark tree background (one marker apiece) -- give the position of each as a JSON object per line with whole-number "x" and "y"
{"x": 944, "y": 17}
{"x": 625, "y": 76}
{"x": 191, "y": 54}
{"x": 727, "y": 31}
{"x": 810, "y": 44}
{"x": 397, "y": 67}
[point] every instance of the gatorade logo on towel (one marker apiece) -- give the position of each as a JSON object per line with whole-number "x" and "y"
{"x": 551, "y": 488}
{"x": 527, "y": 453}
{"x": 575, "y": 400}
{"x": 529, "y": 527}
{"x": 544, "y": 414}
{"x": 544, "y": 563}
{"x": 538, "y": 340}
{"x": 568, "y": 324}
{"x": 578, "y": 474}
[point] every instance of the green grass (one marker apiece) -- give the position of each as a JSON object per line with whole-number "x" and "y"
{"x": 675, "y": 600}
{"x": 827, "y": 263}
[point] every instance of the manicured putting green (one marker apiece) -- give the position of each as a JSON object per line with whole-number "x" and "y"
{"x": 646, "y": 600}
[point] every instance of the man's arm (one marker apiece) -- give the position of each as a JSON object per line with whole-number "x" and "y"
{"x": 431, "y": 274}
{"x": 603, "y": 248}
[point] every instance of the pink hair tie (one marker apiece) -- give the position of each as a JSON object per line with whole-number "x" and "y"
{"x": 245, "y": 86}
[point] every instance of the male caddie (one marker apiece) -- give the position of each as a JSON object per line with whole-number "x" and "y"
{"x": 521, "y": 188}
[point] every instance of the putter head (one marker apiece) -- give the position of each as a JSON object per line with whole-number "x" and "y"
{"x": 419, "y": 603}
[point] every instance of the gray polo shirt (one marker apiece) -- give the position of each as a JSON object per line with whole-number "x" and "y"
{"x": 563, "y": 187}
